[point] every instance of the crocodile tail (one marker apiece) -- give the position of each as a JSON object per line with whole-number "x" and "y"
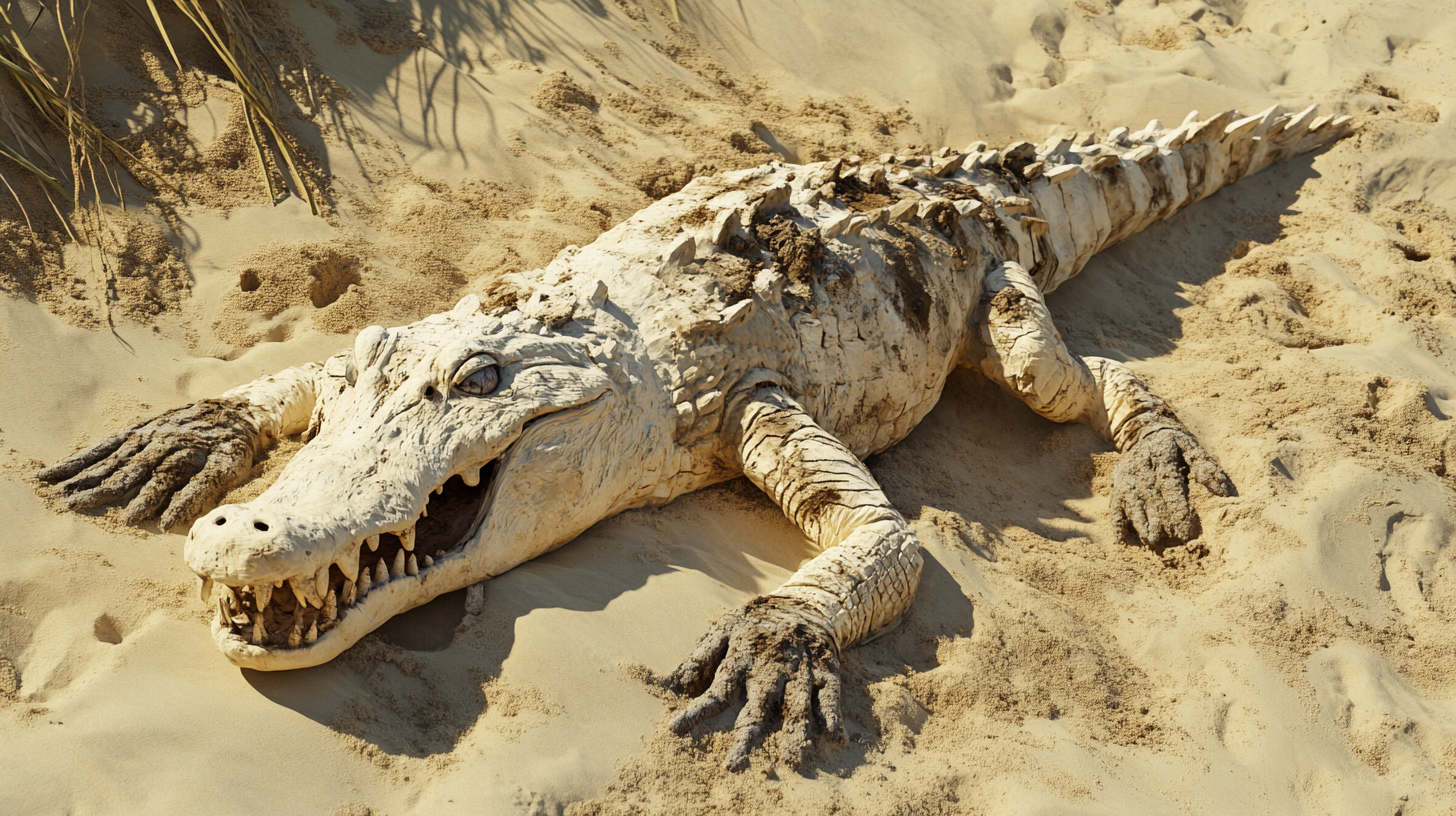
{"x": 1088, "y": 198}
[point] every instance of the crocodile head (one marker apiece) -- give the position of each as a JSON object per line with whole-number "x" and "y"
{"x": 445, "y": 452}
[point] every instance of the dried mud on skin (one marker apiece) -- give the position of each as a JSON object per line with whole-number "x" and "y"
{"x": 199, "y": 451}
{"x": 799, "y": 254}
{"x": 787, "y": 672}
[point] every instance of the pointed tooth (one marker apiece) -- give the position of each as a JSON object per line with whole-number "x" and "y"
{"x": 410, "y": 567}
{"x": 348, "y": 597}
{"x": 306, "y": 591}
{"x": 407, "y": 539}
{"x": 429, "y": 562}
{"x": 204, "y": 589}
{"x": 278, "y": 584}
{"x": 397, "y": 568}
{"x": 229, "y": 599}
{"x": 425, "y": 511}
{"x": 260, "y": 635}
{"x": 365, "y": 580}
{"x": 228, "y": 610}
{"x": 331, "y": 606}
{"x": 373, "y": 542}
{"x": 298, "y": 591}
{"x": 312, "y": 634}
{"x": 439, "y": 489}
{"x": 349, "y": 564}
{"x": 321, "y": 582}
{"x": 381, "y": 572}
{"x": 222, "y": 612}
{"x": 295, "y": 635}
{"x": 234, "y": 605}
{"x": 262, "y": 594}
{"x": 470, "y": 476}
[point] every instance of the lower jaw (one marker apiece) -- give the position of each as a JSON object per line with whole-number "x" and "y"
{"x": 381, "y": 604}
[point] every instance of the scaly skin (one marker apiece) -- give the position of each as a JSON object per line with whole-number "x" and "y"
{"x": 781, "y": 323}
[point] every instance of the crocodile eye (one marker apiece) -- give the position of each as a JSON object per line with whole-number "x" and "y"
{"x": 479, "y": 376}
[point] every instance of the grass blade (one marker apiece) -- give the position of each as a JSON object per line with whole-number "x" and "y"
{"x": 161, "y": 29}
{"x": 14, "y": 155}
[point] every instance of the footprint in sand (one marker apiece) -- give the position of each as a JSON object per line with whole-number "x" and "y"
{"x": 1418, "y": 565}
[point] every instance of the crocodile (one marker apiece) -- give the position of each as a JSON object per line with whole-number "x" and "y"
{"x": 780, "y": 323}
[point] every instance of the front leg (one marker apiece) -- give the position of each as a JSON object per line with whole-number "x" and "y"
{"x": 782, "y": 650}
{"x": 187, "y": 458}
{"x": 1023, "y": 353}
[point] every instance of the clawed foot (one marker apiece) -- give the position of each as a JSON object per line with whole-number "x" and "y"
{"x": 1150, "y": 487}
{"x": 785, "y": 664}
{"x": 185, "y": 459}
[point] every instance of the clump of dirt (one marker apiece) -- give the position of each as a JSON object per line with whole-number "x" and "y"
{"x": 560, "y": 95}
{"x": 1395, "y": 420}
{"x": 798, "y": 253}
{"x": 661, "y": 177}
{"x": 944, "y": 218}
{"x": 32, "y": 242}
{"x": 862, "y": 197}
{"x": 492, "y": 199}
{"x": 734, "y": 276}
{"x": 1166, "y": 38}
{"x": 1399, "y": 103}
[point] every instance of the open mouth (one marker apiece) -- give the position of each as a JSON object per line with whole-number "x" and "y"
{"x": 377, "y": 570}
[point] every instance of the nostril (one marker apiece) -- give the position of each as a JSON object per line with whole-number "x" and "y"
{"x": 221, "y": 520}
{"x": 260, "y": 526}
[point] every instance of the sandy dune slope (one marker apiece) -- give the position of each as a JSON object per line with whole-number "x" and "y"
{"x": 1297, "y": 658}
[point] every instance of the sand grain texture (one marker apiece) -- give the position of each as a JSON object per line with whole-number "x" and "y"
{"x": 1297, "y": 658}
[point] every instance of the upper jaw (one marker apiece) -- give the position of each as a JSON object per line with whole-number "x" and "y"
{"x": 303, "y": 618}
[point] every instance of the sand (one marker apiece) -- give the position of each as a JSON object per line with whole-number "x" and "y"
{"x": 1297, "y": 658}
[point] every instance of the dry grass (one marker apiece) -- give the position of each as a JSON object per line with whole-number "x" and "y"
{"x": 231, "y": 34}
{"x": 51, "y": 100}
{"x": 46, "y": 100}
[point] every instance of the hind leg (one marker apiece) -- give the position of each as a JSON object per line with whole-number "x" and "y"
{"x": 1023, "y": 353}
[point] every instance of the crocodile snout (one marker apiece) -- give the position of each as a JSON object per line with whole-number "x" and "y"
{"x": 249, "y": 542}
